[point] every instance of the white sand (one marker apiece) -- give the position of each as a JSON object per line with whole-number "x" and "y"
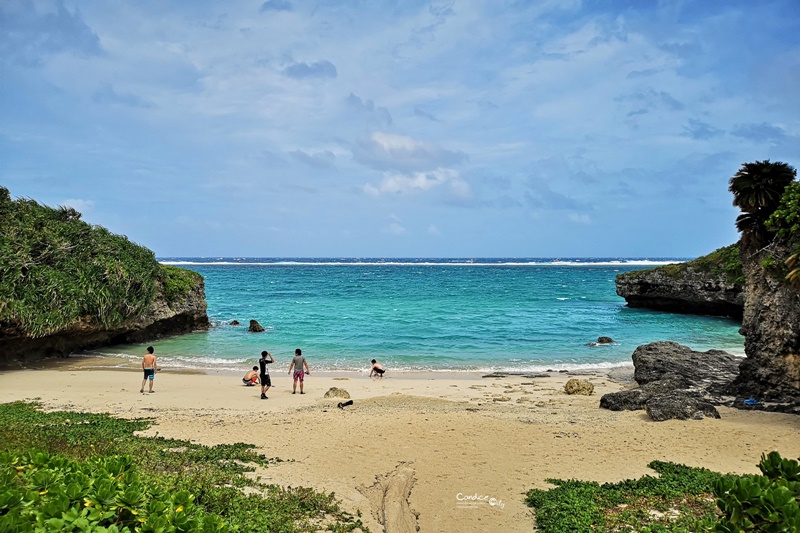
{"x": 411, "y": 448}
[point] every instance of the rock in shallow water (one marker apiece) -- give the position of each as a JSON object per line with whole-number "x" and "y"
{"x": 255, "y": 327}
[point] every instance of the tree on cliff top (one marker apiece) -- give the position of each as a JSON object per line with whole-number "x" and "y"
{"x": 757, "y": 190}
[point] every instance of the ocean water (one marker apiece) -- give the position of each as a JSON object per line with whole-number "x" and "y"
{"x": 426, "y": 315}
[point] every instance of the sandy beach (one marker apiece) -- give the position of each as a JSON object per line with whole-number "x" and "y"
{"x": 440, "y": 451}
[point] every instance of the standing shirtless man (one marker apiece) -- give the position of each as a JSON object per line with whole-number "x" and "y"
{"x": 149, "y": 367}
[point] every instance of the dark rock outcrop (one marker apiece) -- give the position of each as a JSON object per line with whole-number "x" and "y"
{"x": 255, "y": 327}
{"x": 234, "y": 323}
{"x": 605, "y": 340}
{"x": 713, "y": 370}
{"x": 771, "y": 327}
{"x": 680, "y": 406}
{"x": 676, "y": 382}
{"x": 636, "y": 399}
{"x": 693, "y": 288}
{"x": 162, "y": 318}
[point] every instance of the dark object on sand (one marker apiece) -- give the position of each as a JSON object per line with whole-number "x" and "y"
{"x": 342, "y": 405}
{"x": 255, "y": 327}
{"x": 234, "y": 323}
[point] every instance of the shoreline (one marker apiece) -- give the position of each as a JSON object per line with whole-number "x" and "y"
{"x": 90, "y": 360}
{"x": 622, "y": 372}
{"x": 437, "y": 434}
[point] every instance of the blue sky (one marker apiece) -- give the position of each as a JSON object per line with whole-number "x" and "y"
{"x": 375, "y": 129}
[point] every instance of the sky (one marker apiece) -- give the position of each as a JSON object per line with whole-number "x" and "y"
{"x": 294, "y": 128}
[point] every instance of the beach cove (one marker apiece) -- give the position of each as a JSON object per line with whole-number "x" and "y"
{"x": 462, "y": 315}
{"x": 451, "y": 451}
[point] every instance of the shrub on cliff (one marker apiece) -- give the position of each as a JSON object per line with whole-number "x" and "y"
{"x": 722, "y": 261}
{"x": 56, "y": 270}
{"x": 785, "y": 222}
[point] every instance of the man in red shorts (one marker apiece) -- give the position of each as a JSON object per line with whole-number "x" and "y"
{"x": 298, "y": 363}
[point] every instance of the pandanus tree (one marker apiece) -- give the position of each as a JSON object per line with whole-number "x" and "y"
{"x": 757, "y": 190}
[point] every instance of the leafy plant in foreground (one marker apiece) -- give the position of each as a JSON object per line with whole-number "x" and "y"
{"x": 768, "y": 503}
{"x": 213, "y": 476}
{"x": 42, "y": 492}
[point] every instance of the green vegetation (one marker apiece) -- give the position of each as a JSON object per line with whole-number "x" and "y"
{"x": 56, "y": 270}
{"x": 674, "y": 502}
{"x": 785, "y": 222}
{"x": 723, "y": 261}
{"x": 66, "y": 471}
{"x": 681, "y": 499}
{"x": 178, "y": 282}
{"x": 42, "y": 492}
{"x": 768, "y": 503}
{"x": 757, "y": 190}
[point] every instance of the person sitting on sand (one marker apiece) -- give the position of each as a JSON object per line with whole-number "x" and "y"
{"x": 377, "y": 369}
{"x": 149, "y": 367}
{"x": 251, "y": 378}
{"x": 298, "y": 362}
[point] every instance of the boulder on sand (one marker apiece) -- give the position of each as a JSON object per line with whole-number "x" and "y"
{"x": 579, "y": 386}
{"x": 336, "y": 392}
{"x": 680, "y": 406}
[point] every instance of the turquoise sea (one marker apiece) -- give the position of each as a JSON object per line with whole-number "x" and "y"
{"x": 426, "y": 315}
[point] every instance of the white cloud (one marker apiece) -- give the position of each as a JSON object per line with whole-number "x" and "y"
{"x": 81, "y": 206}
{"x": 396, "y": 229}
{"x": 580, "y": 218}
{"x": 420, "y": 182}
{"x": 433, "y": 230}
{"x": 387, "y": 151}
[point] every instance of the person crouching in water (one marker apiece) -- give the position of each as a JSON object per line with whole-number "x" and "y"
{"x": 251, "y": 378}
{"x": 266, "y": 383}
{"x": 377, "y": 369}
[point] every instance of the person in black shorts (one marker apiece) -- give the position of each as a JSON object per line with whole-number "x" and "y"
{"x": 263, "y": 375}
{"x": 377, "y": 369}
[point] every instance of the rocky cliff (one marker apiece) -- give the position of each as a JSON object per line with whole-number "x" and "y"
{"x": 771, "y": 327}
{"x": 163, "y": 317}
{"x": 710, "y": 285}
{"x": 66, "y": 286}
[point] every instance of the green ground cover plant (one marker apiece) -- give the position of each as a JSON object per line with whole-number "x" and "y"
{"x": 672, "y": 502}
{"x": 56, "y": 270}
{"x": 724, "y": 260}
{"x": 680, "y": 500}
{"x": 123, "y": 474}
